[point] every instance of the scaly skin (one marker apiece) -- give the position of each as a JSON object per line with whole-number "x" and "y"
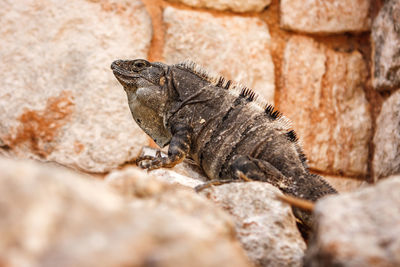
{"x": 219, "y": 125}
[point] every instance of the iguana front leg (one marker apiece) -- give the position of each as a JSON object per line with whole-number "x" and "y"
{"x": 179, "y": 148}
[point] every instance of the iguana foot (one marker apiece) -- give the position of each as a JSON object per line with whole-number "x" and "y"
{"x": 150, "y": 162}
{"x": 158, "y": 161}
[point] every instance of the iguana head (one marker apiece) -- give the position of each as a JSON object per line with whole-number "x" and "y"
{"x": 146, "y": 87}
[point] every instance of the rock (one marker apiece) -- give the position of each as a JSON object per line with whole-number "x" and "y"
{"x": 325, "y": 17}
{"x": 236, "y": 5}
{"x": 179, "y": 175}
{"x": 265, "y": 225}
{"x": 322, "y": 93}
{"x": 54, "y": 217}
{"x": 135, "y": 183}
{"x": 358, "y": 229}
{"x": 236, "y": 47}
{"x": 149, "y": 191}
{"x": 386, "y": 160}
{"x": 345, "y": 184}
{"x": 385, "y": 36}
{"x": 59, "y": 100}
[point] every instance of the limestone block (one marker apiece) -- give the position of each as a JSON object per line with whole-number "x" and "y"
{"x": 361, "y": 228}
{"x": 386, "y": 160}
{"x": 385, "y": 36}
{"x": 265, "y": 225}
{"x": 325, "y": 16}
{"x": 345, "y": 184}
{"x": 323, "y": 94}
{"x": 59, "y": 100}
{"x": 54, "y": 217}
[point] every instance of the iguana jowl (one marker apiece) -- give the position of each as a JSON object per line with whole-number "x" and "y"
{"x": 219, "y": 124}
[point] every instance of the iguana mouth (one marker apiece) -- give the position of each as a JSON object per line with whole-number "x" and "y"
{"x": 123, "y": 76}
{"x": 121, "y": 71}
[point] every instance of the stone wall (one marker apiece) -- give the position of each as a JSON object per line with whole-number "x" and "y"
{"x": 332, "y": 67}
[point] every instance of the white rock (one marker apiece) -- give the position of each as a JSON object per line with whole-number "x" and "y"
{"x": 323, "y": 95}
{"x": 361, "y": 228}
{"x": 386, "y": 160}
{"x": 345, "y": 184}
{"x": 385, "y": 41}
{"x": 265, "y": 225}
{"x": 59, "y": 100}
{"x": 329, "y": 16}
{"x": 54, "y": 217}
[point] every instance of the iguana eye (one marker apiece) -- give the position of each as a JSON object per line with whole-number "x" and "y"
{"x": 139, "y": 65}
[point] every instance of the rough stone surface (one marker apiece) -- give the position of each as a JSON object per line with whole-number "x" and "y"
{"x": 149, "y": 191}
{"x": 386, "y": 159}
{"x": 344, "y": 184}
{"x": 385, "y": 47}
{"x": 53, "y": 217}
{"x": 323, "y": 95}
{"x": 58, "y": 98}
{"x": 236, "y": 47}
{"x": 265, "y": 225}
{"x": 45, "y": 212}
{"x": 358, "y": 229}
{"x": 233, "y": 5}
{"x": 328, "y": 16}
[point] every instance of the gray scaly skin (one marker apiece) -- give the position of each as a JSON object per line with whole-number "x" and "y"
{"x": 220, "y": 125}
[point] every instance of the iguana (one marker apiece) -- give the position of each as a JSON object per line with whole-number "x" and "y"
{"x": 223, "y": 126}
